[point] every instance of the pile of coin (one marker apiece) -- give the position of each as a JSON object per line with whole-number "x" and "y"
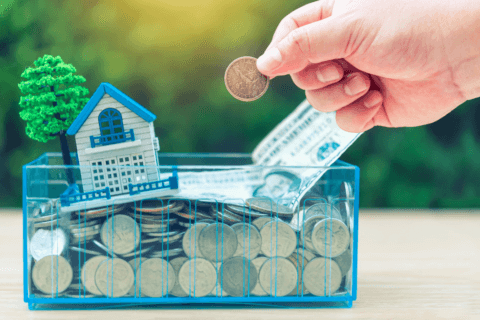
{"x": 169, "y": 247}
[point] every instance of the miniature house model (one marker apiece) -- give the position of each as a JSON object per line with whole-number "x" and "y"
{"x": 114, "y": 130}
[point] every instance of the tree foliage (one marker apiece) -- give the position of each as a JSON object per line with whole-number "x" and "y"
{"x": 53, "y": 97}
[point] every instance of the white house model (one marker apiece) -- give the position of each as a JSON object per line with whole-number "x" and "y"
{"x": 114, "y": 130}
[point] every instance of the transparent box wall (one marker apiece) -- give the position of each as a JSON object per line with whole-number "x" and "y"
{"x": 226, "y": 236}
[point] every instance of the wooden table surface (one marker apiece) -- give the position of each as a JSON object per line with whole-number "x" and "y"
{"x": 413, "y": 264}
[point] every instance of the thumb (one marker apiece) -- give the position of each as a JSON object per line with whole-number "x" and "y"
{"x": 320, "y": 41}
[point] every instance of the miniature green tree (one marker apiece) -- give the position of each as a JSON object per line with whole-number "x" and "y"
{"x": 53, "y": 99}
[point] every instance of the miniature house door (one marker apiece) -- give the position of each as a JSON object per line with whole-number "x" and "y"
{"x": 118, "y": 178}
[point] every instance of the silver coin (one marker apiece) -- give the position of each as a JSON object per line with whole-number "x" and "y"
{"x": 52, "y": 224}
{"x": 43, "y": 210}
{"x": 344, "y": 261}
{"x": 154, "y": 230}
{"x": 199, "y": 204}
{"x": 167, "y": 253}
{"x": 137, "y": 252}
{"x": 323, "y": 209}
{"x": 268, "y": 206}
{"x": 300, "y": 217}
{"x": 46, "y": 213}
{"x": 173, "y": 238}
{"x": 156, "y": 277}
{"x": 237, "y": 216}
{"x": 300, "y": 261}
{"x": 187, "y": 224}
{"x": 238, "y": 276}
{"x": 80, "y": 295}
{"x": 330, "y": 237}
{"x": 345, "y": 212}
{"x": 52, "y": 274}
{"x": 278, "y": 277}
{"x": 159, "y": 206}
{"x": 192, "y": 216}
{"x": 247, "y": 211}
{"x": 226, "y": 217}
{"x": 87, "y": 274}
{"x": 85, "y": 234}
{"x": 114, "y": 277}
{"x": 99, "y": 212}
{"x": 303, "y": 252}
{"x": 101, "y": 246}
{"x": 249, "y": 240}
{"x": 218, "y": 291}
{"x": 306, "y": 232}
{"x": 176, "y": 264}
{"x": 260, "y": 222}
{"x": 156, "y": 219}
{"x": 209, "y": 221}
{"x": 45, "y": 243}
{"x": 322, "y": 276}
{"x": 191, "y": 238}
{"x": 346, "y": 191}
{"x": 151, "y": 240}
{"x": 244, "y": 81}
{"x": 217, "y": 242}
{"x": 87, "y": 230}
{"x": 258, "y": 290}
{"x": 83, "y": 239}
{"x": 135, "y": 264}
{"x": 278, "y": 239}
{"x": 75, "y": 224}
{"x": 163, "y": 234}
{"x": 197, "y": 277}
{"x": 83, "y": 250}
{"x": 152, "y": 224}
{"x": 120, "y": 234}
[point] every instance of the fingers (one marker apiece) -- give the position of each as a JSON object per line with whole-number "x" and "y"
{"x": 307, "y": 14}
{"x": 357, "y": 117}
{"x": 312, "y": 43}
{"x": 340, "y": 94}
{"x": 318, "y": 76}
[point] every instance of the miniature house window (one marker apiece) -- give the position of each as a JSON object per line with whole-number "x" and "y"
{"x": 110, "y": 121}
{"x": 111, "y": 129}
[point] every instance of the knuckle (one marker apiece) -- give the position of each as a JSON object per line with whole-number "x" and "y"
{"x": 288, "y": 23}
{"x": 300, "y": 39}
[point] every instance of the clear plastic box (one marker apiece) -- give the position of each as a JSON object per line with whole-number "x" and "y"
{"x": 65, "y": 265}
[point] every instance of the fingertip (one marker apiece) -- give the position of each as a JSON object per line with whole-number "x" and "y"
{"x": 269, "y": 61}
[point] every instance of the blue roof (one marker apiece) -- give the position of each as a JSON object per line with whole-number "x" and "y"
{"x": 117, "y": 95}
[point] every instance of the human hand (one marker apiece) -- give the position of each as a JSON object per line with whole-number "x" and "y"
{"x": 408, "y": 63}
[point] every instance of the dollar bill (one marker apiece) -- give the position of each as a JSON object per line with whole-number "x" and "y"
{"x": 306, "y": 138}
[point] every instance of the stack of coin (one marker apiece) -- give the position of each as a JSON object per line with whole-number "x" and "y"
{"x": 177, "y": 248}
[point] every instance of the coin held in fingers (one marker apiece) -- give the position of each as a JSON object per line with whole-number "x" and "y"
{"x": 244, "y": 81}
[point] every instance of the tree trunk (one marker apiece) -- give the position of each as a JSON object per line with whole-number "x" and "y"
{"x": 67, "y": 160}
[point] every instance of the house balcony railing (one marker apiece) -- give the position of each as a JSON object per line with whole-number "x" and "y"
{"x": 71, "y": 195}
{"x": 169, "y": 183}
{"x": 112, "y": 138}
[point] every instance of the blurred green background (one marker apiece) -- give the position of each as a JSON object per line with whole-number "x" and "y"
{"x": 170, "y": 56}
